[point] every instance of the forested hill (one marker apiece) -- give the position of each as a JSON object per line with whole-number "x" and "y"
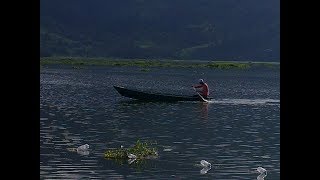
{"x": 171, "y": 29}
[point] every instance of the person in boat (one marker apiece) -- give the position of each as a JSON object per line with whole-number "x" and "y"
{"x": 202, "y": 88}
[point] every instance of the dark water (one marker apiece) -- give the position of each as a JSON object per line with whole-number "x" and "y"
{"x": 237, "y": 132}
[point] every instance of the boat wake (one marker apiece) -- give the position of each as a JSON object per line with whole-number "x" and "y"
{"x": 247, "y": 101}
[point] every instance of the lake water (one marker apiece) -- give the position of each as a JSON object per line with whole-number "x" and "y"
{"x": 237, "y": 132}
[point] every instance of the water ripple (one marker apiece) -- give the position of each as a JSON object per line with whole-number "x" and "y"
{"x": 237, "y": 132}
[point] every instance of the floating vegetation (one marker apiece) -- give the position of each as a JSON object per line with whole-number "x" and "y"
{"x": 141, "y": 150}
{"x": 227, "y": 65}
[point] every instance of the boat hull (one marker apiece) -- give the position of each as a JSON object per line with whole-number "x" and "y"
{"x": 145, "y": 96}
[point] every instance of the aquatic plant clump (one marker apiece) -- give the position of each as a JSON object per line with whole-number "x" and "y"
{"x": 116, "y": 154}
{"x": 141, "y": 150}
{"x": 225, "y": 65}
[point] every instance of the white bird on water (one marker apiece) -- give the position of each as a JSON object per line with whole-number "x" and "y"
{"x": 132, "y": 156}
{"x": 263, "y": 173}
{"x": 205, "y": 163}
{"x": 261, "y": 170}
{"x": 84, "y": 147}
{"x": 206, "y": 166}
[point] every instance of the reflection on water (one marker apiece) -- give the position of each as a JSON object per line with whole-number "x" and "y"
{"x": 261, "y": 176}
{"x": 205, "y": 170}
{"x": 204, "y": 110}
{"x": 239, "y": 130}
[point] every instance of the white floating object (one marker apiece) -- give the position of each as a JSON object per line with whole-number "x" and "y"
{"x": 261, "y": 170}
{"x": 205, "y": 163}
{"x": 121, "y": 146}
{"x": 132, "y": 156}
{"x": 84, "y": 147}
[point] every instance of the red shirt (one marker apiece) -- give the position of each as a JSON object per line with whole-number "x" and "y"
{"x": 205, "y": 89}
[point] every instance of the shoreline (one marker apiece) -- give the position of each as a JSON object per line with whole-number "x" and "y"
{"x": 145, "y": 63}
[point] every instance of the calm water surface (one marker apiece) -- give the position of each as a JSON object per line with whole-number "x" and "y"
{"x": 237, "y": 132}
